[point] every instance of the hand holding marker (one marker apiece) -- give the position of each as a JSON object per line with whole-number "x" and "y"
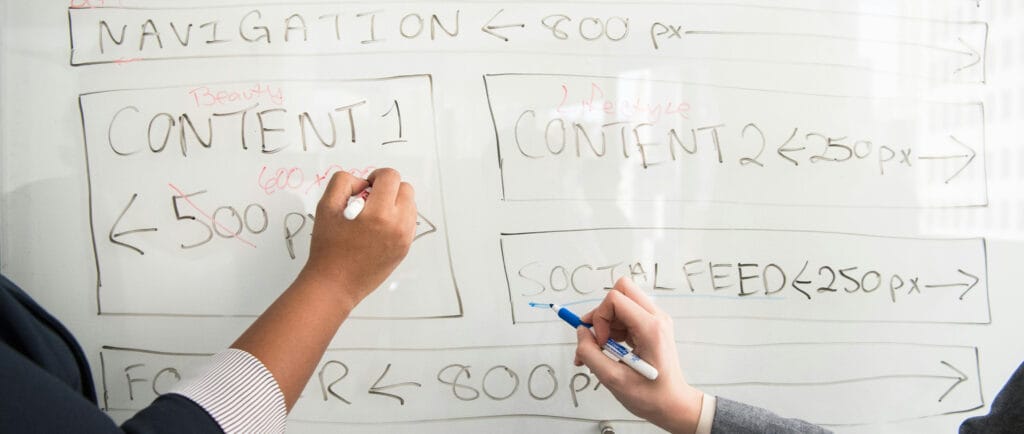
{"x": 612, "y": 349}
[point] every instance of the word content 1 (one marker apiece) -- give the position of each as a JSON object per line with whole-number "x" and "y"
{"x": 213, "y": 178}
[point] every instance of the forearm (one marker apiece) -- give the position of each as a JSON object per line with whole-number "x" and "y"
{"x": 290, "y": 337}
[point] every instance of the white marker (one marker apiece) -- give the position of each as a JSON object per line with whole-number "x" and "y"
{"x": 355, "y": 204}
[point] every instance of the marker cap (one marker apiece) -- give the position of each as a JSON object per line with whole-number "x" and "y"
{"x": 354, "y": 207}
{"x": 640, "y": 366}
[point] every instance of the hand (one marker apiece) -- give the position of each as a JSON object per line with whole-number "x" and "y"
{"x": 356, "y": 256}
{"x": 627, "y": 314}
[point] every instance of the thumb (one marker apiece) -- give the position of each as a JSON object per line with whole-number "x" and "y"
{"x": 340, "y": 188}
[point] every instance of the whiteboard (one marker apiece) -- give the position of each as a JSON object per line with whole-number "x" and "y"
{"x": 824, "y": 195}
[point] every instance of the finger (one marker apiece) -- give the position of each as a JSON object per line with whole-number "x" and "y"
{"x": 406, "y": 204}
{"x": 628, "y": 287}
{"x": 342, "y": 186}
{"x": 385, "y": 183}
{"x": 615, "y": 331}
{"x": 406, "y": 200}
{"x": 589, "y": 352}
{"x": 618, "y": 311}
{"x": 618, "y": 333}
{"x": 406, "y": 195}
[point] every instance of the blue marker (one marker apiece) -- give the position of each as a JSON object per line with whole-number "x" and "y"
{"x": 611, "y": 348}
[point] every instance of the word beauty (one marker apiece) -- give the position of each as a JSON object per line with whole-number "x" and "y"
{"x": 612, "y": 349}
{"x": 355, "y": 204}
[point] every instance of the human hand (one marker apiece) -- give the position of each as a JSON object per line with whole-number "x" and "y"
{"x": 356, "y": 256}
{"x": 627, "y": 314}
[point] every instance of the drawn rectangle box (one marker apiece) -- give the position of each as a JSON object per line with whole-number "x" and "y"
{"x": 202, "y": 197}
{"x": 753, "y": 274}
{"x": 577, "y": 137}
{"x": 818, "y": 41}
{"x": 822, "y": 382}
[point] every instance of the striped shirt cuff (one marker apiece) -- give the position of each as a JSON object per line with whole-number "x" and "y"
{"x": 707, "y": 414}
{"x": 239, "y": 393}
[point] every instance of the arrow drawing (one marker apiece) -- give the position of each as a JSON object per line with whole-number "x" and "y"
{"x": 958, "y": 379}
{"x": 969, "y": 157}
{"x": 376, "y": 390}
{"x": 962, "y": 378}
{"x": 423, "y": 227}
{"x": 969, "y": 286}
{"x": 974, "y": 53}
{"x": 490, "y": 29}
{"x": 114, "y": 236}
{"x": 962, "y": 50}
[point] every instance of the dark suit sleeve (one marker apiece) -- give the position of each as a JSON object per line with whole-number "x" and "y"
{"x": 35, "y": 401}
{"x": 733, "y": 417}
{"x": 1007, "y": 414}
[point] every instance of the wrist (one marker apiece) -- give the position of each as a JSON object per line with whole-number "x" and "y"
{"x": 683, "y": 414}
{"x": 330, "y": 287}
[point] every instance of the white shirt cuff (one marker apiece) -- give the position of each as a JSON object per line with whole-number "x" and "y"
{"x": 239, "y": 392}
{"x": 707, "y": 414}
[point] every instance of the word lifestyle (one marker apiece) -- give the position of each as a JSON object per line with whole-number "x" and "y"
{"x": 635, "y": 109}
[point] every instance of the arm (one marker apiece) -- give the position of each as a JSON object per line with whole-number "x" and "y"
{"x": 248, "y": 388}
{"x": 627, "y": 314}
{"x": 251, "y": 386}
{"x": 348, "y": 259}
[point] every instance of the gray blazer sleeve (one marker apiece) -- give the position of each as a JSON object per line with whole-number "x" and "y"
{"x": 733, "y": 417}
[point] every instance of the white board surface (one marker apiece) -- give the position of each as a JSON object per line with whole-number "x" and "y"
{"x": 824, "y": 195}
